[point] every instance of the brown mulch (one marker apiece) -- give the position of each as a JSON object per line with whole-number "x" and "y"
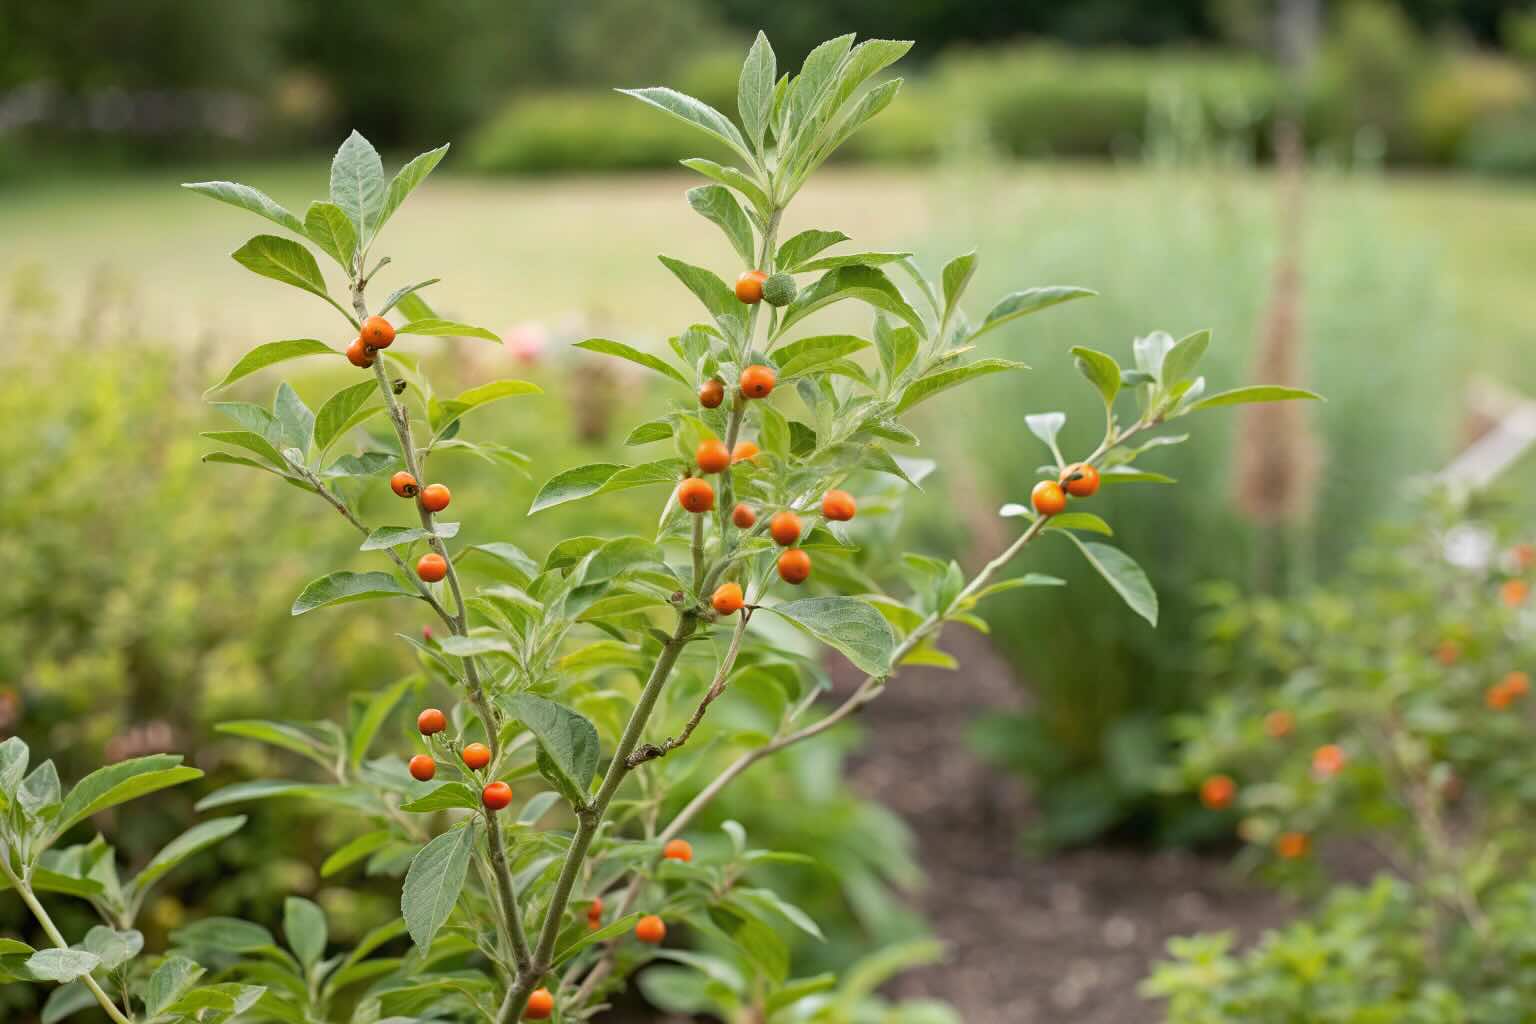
{"x": 1064, "y": 938}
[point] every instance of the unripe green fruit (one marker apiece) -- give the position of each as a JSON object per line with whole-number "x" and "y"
{"x": 779, "y": 290}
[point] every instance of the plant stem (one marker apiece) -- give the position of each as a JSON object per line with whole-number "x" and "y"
{"x": 24, "y": 889}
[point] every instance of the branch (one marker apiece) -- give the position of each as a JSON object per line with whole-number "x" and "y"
{"x": 650, "y": 751}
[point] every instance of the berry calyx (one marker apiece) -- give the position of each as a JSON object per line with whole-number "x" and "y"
{"x": 1080, "y": 479}
{"x": 1048, "y": 498}
{"x": 712, "y": 456}
{"x": 1328, "y": 760}
{"x": 696, "y": 495}
{"x": 678, "y": 849}
{"x": 431, "y": 721}
{"x": 1217, "y": 792}
{"x": 749, "y": 287}
{"x": 435, "y": 497}
{"x": 1293, "y": 845}
{"x": 651, "y": 929}
{"x": 377, "y": 332}
{"x": 779, "y": 290}
{"x": 838, "y": 506}
{"x": 727, "y": 599}
{"x": 744, "y": 451}
{"x": 757, "y": 381}
{"x": 432, "y": 567}
{"x": 477, "y": 756}
{"x": 1278, "y": 724}
{"x": 784, "y": 528}
{"x": 711, "y": 394}
{"x": 359, "y": 355}
{"x": 403, "y": 484}
{"x": 743, "y": 516}
{"x": 496, "y": 796}
{"x": 423, "y": 768}
{"x": 540, "y": 1005}
{"x": 794, "y": 566}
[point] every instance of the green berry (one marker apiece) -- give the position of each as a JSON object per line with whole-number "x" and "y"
{"x": 779, "y": 290}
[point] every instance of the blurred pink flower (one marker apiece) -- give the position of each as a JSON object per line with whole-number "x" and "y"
{"x": 526, "y": 341}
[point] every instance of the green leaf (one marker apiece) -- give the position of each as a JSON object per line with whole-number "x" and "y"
{"x": 613, "y": 930}
{"x": 799, "y": 357}
{"x": 719, "y": 299}
{"x": 117, "y": 783}
{"x": 874, "y": 101}
{"x": 357, "y": 185}
{"x": 472, "y": 646}
{"x": 170, "y": 980}
{"x": 897, "y": 347}
{"x": 957, "y": 275}
{"x": 397, "y": 296}
{"x": 567, "y": 740}
{"x": 1101, "y": 370}
{"x": 485, "y": 394}
{"x": 190, "y": 843}
{"x": 1080, "y": 521}
{"x": 14, "y": 756}
{"x": 803, "y": 246}
{"x": 250, "y": 442}
{"x": 265, "y": 355}
{"x": 716, "y": 203}
{"x": 61, "y": 965}
{"x": 868, "y": 284}
{"x": 227, "y": 933}
{"x": 1031, "y": 300}
{"x": 650, "y": 432}
{"x": 66, "y": 1001}
{"x": 1122, "y": 574}
{"x": 853, "y": 259}
{"x": 329, "y": 227}
{"x": 304, "y": 926}
{"x": 1132, "y": 475}
{"x": 283, "y": 260}
{"x": 338, "y": 412}
{"x": 634, "y": 355}
{"x": 847, "y": 624}
{"x": 439, "y": 328}
{"x": 247, "y": 198}
{"x": 448, "y": 796}
{"x": 433, "y": 883}
{"x": 1045, "y": 426}
{"x": 44, "y": 880}
{"x": 338, "y": 587}
{"x": 365, "y": 465}
{"x": 1255, "y": 393}
{"x": 927, "y": 386}
{"x": 604, "y": 478}
{"x": 732, "y": 177}
{"x": 315, "y": 742}
{"x": 295, "y": 423}
{"x": 1180, "y": 362}
{"x": 383, "y": 538}
{"x": 754, "y": 89}
{"x": 405, "y": 182}
{"x": 694, "y": 112}
{"x": 375, "y": 710}
{"x": 363, "y": 846}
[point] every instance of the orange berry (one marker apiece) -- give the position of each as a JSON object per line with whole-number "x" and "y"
{"x": 784, "y": 528}
{"x": 727, "y": 599}
{"x": 838, "y": 506}
{"x": 1514, "y": 592}
{"x": 1518, "y": 683}
{"x": 749, "y": 287}
{"x": 432, "y": 567}
{"x": 540, "y": 1005}
{"x": 1448, "y": 653}
{"x": 712, "y": 456}
{"x": 423, "y": 768}
{"x": 757, "y": 381}
{"x": 1048, "y": 498}
{"x": 1497, "y": 697}
{"x": 651, "y": 929}
{"x": 1217, "y": 792}
{"x": 743, "y": 516}
{"x": 1278, "y": 724}
{"x": 711, "y": 394}
{"x": 359, "y": 355}
{"x": 1293, "y": 845}
{"x": 595, "y": 909}
{"x": 1080, "y": 479}
{"x": 496, "y": 796}
{"x": 794, "y": 566}
{"x": 378, "y": 332}
{"x": 678, "y": 849}
{"x": 696, "y": 495}
{"x": 431, "y": 721}
{"x": 1524, "y": 555}
{"x": 744, "y": 451}
{"x": 1328, "y": 760}
{"x": 435, "y": 497}
{"x": 403, "y": 484}
{"x": 477, "y": 756}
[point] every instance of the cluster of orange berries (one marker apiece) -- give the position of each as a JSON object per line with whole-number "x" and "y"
{"x": 1506, "y": 691}
{"x": 1219, "y": 792}
{"x": 375, "y": 334}
{"x": 495, "y": 796}
{"x": 1049, "y": 497}
{"x": 431, "y": 567}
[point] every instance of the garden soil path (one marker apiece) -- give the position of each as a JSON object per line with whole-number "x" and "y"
{"x": 1065, "y": 938}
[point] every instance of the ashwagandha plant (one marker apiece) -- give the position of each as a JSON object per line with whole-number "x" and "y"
{"x": 577, "y": 680}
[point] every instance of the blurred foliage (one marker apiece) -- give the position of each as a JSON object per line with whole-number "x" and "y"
{"x": 1393, "y": 708}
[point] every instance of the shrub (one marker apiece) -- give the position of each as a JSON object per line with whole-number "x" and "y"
{"x": 583, "y": 675}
